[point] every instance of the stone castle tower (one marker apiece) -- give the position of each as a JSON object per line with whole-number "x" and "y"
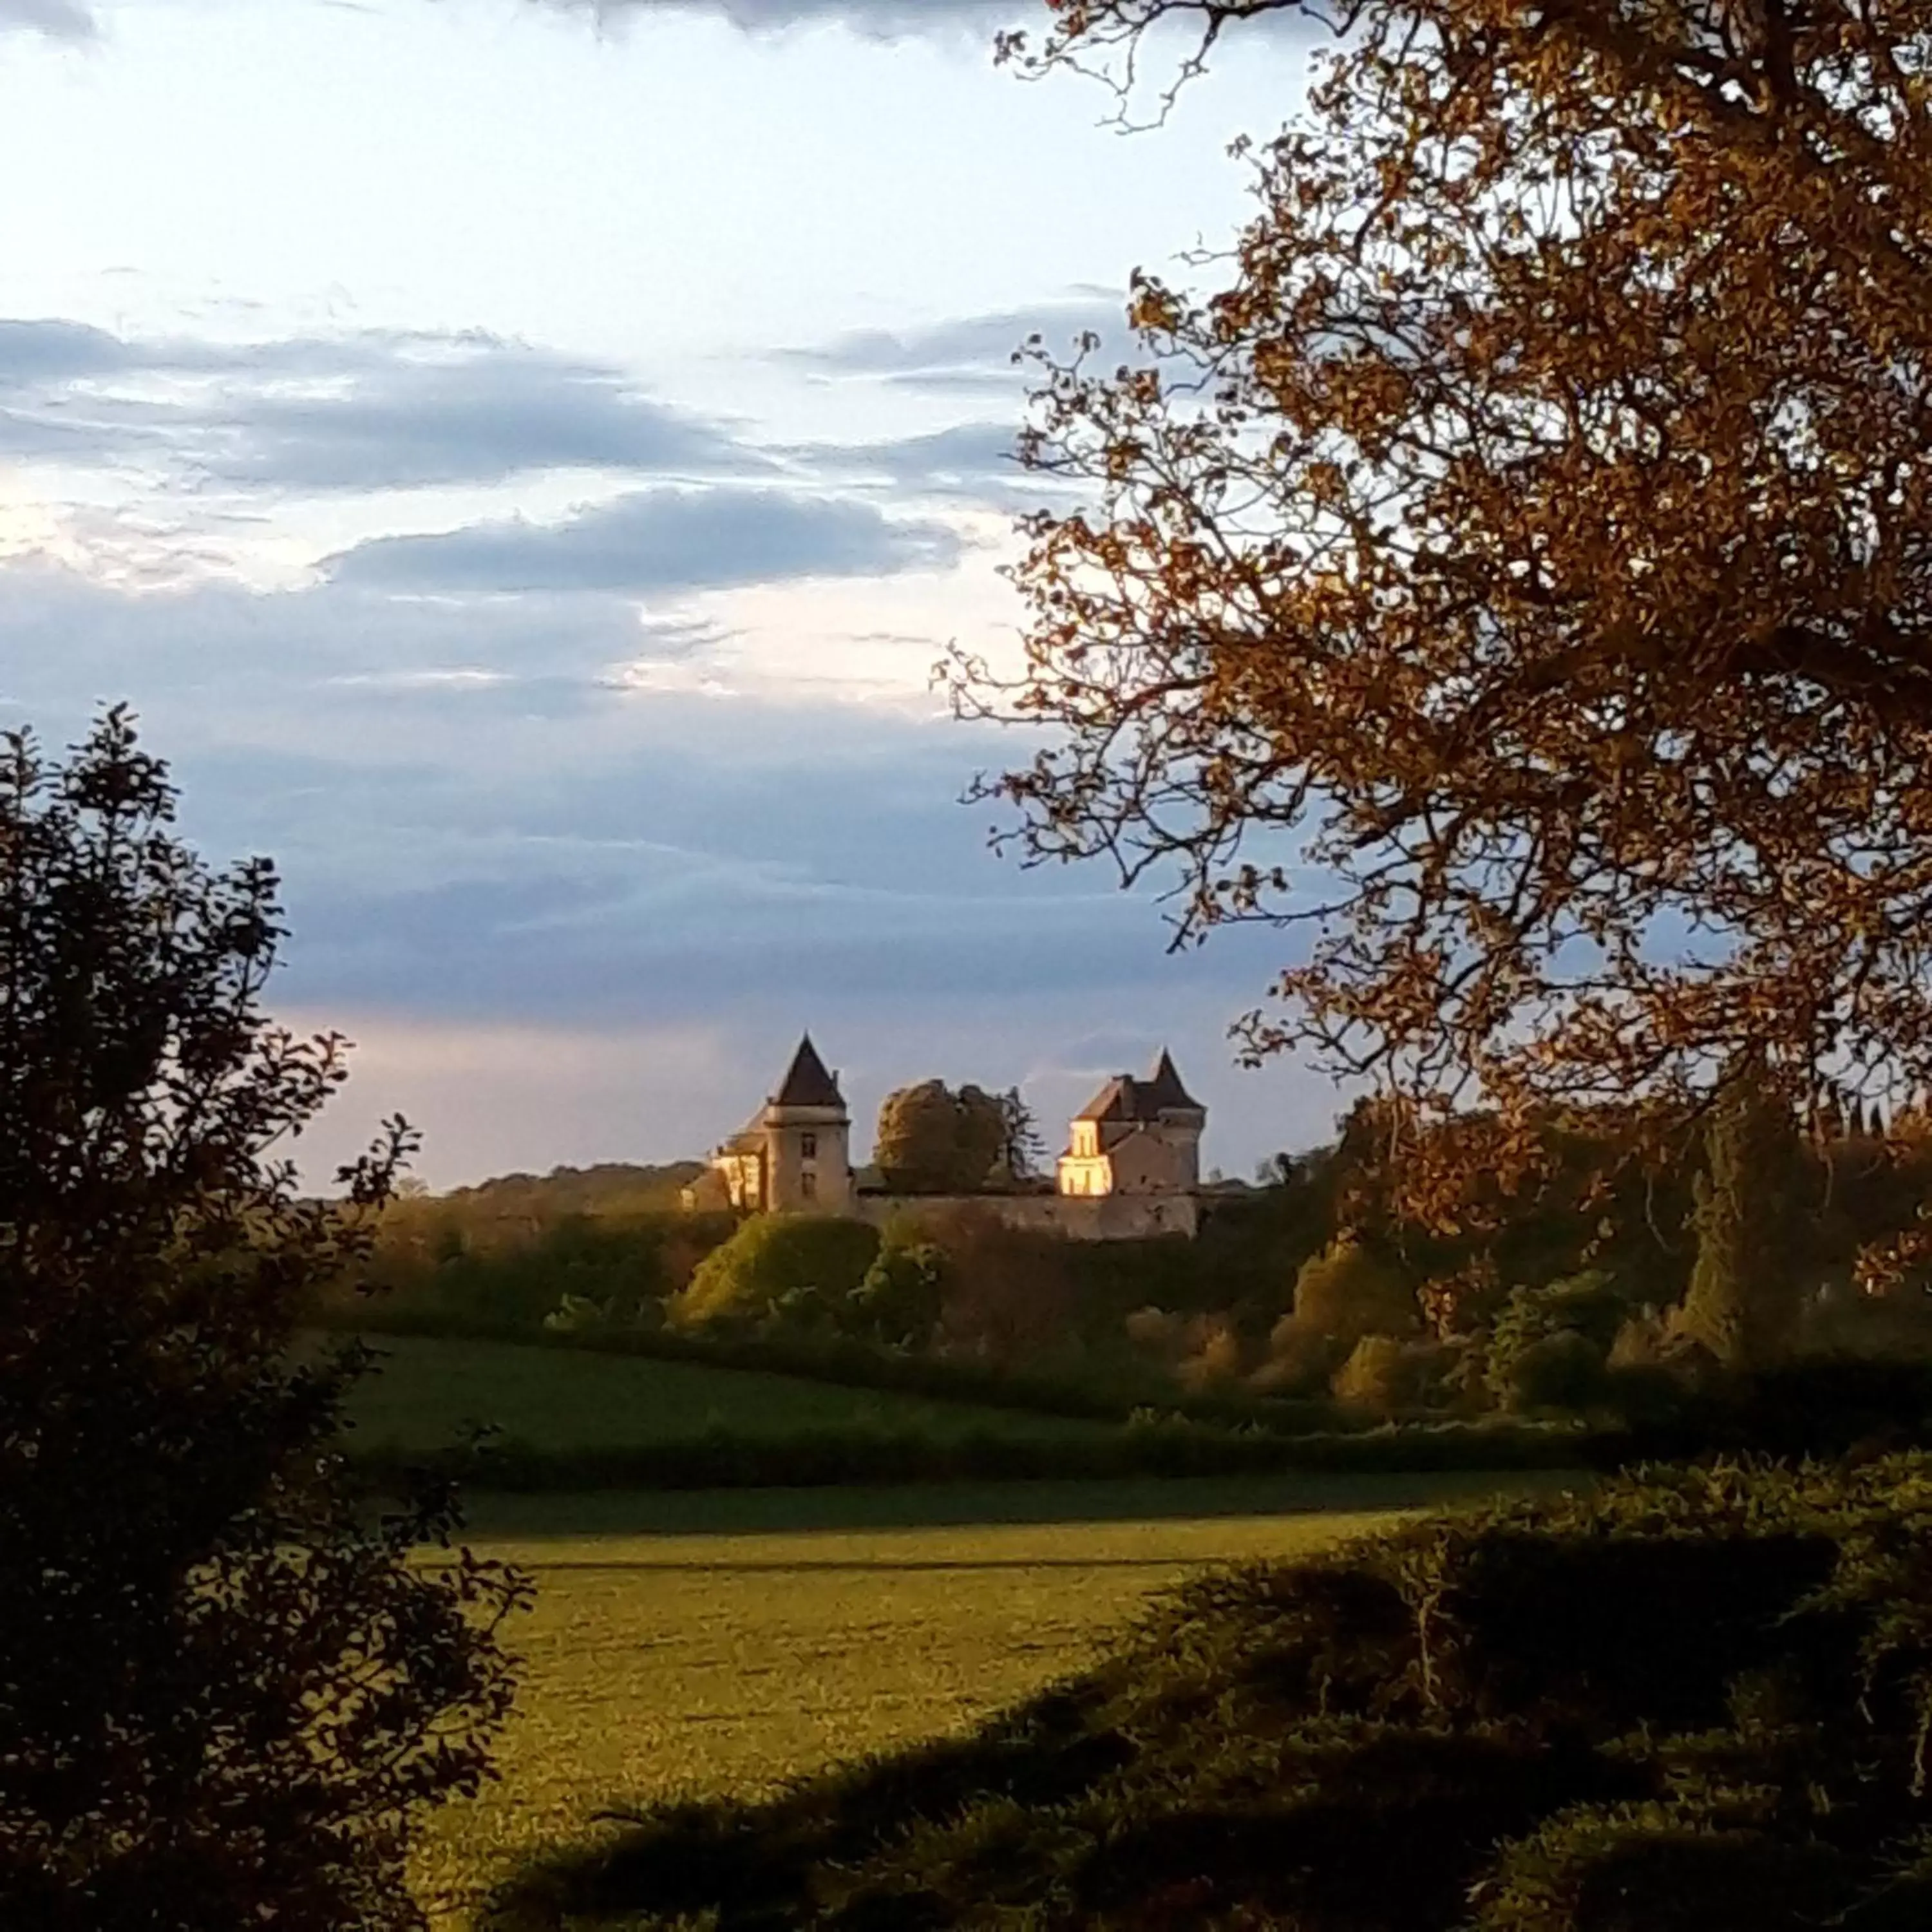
{"x": 795, "y": 1155}
{"x": 1136, "y": 1137}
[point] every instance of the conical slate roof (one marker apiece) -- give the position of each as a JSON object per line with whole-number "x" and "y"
{"x": 806, "y": 1083}
{"x": 1162, "y": 1088}
{"x": 1124, "y": 1098}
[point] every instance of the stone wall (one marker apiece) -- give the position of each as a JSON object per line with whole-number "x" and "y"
{"x": 1106, "y": 1217}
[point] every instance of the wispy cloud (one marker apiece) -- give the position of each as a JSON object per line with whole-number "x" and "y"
{"x": 654, "y": 542}
{"x": 972, "y": 463}
{"x": 57, "y": 20}
{"x": 317, "y": 414}
{"x": 965, "y": 352}
{"x": 883, "y": 20}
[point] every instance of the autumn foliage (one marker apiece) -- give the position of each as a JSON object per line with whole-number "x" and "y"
{"x": 1514, "y": 573}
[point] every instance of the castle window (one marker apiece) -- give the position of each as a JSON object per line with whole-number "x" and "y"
{"x": 808, "y": 1146}
{"x": 808, "y": 1186}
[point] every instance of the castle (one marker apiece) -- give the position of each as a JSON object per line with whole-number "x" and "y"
{"x": 1131, "y": 1167}
{"x": 794, "y": 1155}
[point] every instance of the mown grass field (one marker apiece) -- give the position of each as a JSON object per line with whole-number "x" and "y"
{"x": 699, "y": 1645}
{"x": 428, "y": 1390}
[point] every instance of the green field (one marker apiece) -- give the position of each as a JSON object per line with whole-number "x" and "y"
{"x": 427, "y": 1390}
{"x": 705, "y": 1644}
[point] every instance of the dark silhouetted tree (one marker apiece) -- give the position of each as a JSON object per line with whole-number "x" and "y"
{"x": 225, "y": 1690}
{"x": 1023, "y": 1153}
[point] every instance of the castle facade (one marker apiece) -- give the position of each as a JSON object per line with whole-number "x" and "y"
{"x": 1131, "y": 1167}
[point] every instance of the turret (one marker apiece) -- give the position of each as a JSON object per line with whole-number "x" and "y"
{"x": 808, "y": 1140}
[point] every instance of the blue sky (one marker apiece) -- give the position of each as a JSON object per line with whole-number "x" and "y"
{"x": 521, "y": 459}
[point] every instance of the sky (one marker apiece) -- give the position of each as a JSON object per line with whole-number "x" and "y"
{"x": 521, "y": 460}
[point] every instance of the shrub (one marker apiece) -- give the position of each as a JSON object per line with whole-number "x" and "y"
{"x": 1642, "y": 1342}
{"x": 1845, "y": 1323}
{"x": 1301, "y": 1360}
{"x": 1386, "y": 1376}
{"x": 1212, "y": 1353}
{"x": 1564, "y": 1370}
{"x": 578, "y": 1315}
{"x": 1153, "y": 1443}
{"x": 1531, "y": 1365}
{"x": 1349, "y": 1291}
{"x": 1155, "y": 1331}
{"x": 1375, "y": 1376}
{"x": 899, "y": 1301}
{"x": 770, "y": 1257}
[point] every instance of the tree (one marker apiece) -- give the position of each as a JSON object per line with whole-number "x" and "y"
{"x": 1742, "y": 1302}
{"x": 933, "y": 1140}
{"x": 1023, "y": 1152}
{"x": 225, "y": 1690}
{"x": 1523, "y": 560}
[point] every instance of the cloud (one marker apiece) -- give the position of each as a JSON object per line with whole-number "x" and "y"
{"x": 70, "y": 636}
{"x": 966, "y": 352}
{"x": 877, "y": 20}
{"x": 973, "y": 452}
{"x": 972, "y": 463}
{"x": 371, "y": 411}
{"x": 471, "y": 414}
{"x": 318, "y": 417}
{"x": 57, "y": 20}
{"x": 57, "y": 351}
{"x": 651, "y": 542}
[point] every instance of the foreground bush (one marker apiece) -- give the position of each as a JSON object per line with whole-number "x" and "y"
{"x": 1695, "y": 1701}
{"x": 225, "y": 1689}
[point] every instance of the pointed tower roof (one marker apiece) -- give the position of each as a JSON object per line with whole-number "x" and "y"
{"x": 806, "y": 1083}
{"x": 1124, "y": 1098}
{"x": 1162, "y": 1088}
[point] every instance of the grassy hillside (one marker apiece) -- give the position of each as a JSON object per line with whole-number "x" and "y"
{"x": 664, "y": 1662}
{"x": 560, "y": 1400}
{"x": 1696, "y": 1701}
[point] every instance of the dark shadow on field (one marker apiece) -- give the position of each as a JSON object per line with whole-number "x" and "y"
{"x": 885, "y": 1566}
{"x": 964, "y": 1505}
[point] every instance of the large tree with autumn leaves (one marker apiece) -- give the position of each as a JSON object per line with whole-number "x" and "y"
{"x": 1515, "y": 567}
